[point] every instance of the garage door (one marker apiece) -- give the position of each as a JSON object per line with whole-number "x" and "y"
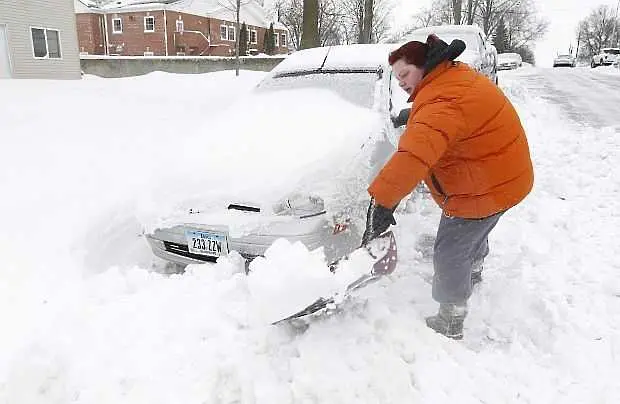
{"x": 5, "y": 62}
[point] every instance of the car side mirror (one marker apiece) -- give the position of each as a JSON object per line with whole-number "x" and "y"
{"x": 402, "y": 118}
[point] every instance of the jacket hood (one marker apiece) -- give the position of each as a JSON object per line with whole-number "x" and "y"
{"x": 439, "y": 51}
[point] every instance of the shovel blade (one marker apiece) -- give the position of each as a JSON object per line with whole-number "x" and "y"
{"x": 388, "y": 254}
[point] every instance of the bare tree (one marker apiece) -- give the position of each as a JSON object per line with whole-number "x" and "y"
{"x": 448, "y": 12}
{"x": 457, "y": 8}
{"x": 596, "y": 31}
{"x": 291, "y": 15}
{"x": 472, "y": 8}
{"x": 310, "y": 32}
{"x": 235, "y": 7}
{"x": 523, "y": 26}
{"x": 367, "y": 22}
{"x": 339, "y": 21}
{"x": 330, "y": 23}
{"x": 381, "y": 18}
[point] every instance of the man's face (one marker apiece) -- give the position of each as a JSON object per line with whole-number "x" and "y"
{"x": 408, "y": 75}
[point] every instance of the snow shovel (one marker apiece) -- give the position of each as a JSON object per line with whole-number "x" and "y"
{"x": 383, "y": 248}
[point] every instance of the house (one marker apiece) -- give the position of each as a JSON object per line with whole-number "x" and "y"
{"x": 171, "y": 28}
{"x": 38, "y": 40}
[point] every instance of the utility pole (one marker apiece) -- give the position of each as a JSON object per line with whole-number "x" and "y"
{"x": 616, "y": 29}
{"x": 616, "y": 24}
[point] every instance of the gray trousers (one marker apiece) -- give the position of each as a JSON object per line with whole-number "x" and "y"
{"x": 461, "y": 245}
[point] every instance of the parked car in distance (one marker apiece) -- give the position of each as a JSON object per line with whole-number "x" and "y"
{"x": 509, "y": 61}
{"x": 606, "y": 57}
{"x": 564, "y": 60}
{"x": 479, "y": 53}
{"x": 328, "y": 213}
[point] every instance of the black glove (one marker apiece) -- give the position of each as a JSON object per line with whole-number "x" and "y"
{"x": 378, "y": 220}
{"x": 402, "y": 118}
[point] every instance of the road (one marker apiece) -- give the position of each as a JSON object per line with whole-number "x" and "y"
{"x": 588, "y": 96}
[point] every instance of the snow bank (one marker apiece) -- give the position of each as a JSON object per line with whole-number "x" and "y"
{"x": 85, "y": 320}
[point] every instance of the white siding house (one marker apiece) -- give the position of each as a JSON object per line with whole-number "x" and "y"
{"x": 38, "y": 39}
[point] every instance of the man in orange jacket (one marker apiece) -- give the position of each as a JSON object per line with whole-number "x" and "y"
{"x": 464, "y": 139}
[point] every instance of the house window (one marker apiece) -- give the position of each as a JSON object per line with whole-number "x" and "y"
{"x": 282, "y": 39}
{"x": 45, "y": 43}
{"x": 180, "y": 26}
{"x": 276, "y": 43}
{"x": 223, "y": 32}
{"x": 231, "y": 33}
{"x": 117, "y": 26}
{"x": 253, "y": 36}
{"x": 149, "y": 24}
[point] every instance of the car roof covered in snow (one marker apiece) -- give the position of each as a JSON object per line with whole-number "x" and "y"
{"x": 340, "y": 57}
{"x": 421, "y": 33}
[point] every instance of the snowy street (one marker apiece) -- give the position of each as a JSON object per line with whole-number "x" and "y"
{"x": 589, "y": 96}
{"x": 87, "y": 319}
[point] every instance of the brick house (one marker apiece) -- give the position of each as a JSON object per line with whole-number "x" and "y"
{"x": 171, "y": 28}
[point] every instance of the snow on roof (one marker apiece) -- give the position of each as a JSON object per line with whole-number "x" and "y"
{"x": 85, "y": 6}
{"x": 252, "y": 13}
{"x": 127, "y": 5}
{"x": 197, "y": 7}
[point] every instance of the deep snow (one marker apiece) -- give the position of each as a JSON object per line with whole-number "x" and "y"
{"x": 86, "y": 319}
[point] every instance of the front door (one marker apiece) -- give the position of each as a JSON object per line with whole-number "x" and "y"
{"x": 5, "y": 61}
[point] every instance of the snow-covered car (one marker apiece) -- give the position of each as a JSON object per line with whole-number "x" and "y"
{"x": 478, "y": 54}
{"x": 564, "y": 60}
{"x": 509, "y": 61}
{"x": 313, "y": 133}
{"x": 607, "y": 56}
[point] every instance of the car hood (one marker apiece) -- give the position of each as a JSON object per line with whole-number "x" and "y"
{"x": 270, "y": 146}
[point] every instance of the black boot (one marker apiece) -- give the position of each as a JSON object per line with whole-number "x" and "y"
{"x": 476, "y": 273}
{"x": 476, "y": 277}
{"x": 449, "y": 320}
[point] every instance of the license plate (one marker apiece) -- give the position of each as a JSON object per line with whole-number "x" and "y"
{"x": 209, "y": 243}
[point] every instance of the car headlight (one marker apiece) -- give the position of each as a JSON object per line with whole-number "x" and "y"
{"x": 300, "y": 205}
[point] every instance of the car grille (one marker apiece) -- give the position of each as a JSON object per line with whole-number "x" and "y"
{"x": 182, "y": 250}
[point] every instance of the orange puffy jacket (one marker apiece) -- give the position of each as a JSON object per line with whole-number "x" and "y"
{"x": 465, "y": 140}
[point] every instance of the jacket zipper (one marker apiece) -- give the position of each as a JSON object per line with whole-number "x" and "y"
{"x": 438, "y": 187}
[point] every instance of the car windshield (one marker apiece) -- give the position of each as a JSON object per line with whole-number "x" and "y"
{"x": 357, "y": 88}
{"x": 612, "y": 51}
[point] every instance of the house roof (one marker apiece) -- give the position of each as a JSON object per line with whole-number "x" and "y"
{"x": 85, "y": 6}
{"x": 252, "y": 12}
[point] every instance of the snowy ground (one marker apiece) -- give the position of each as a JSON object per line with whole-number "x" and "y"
{"x": 85, "y": 319}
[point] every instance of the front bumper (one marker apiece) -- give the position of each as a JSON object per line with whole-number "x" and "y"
{"x": 170, "y": 244}
{"x": 507, "y": 66}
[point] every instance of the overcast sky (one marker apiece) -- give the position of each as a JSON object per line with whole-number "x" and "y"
{"x": 563, "y": 16}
